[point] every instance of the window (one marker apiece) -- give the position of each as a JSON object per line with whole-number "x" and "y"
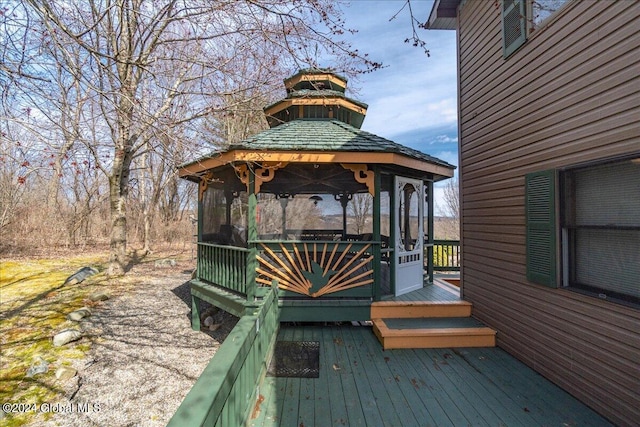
{"x": 599, "y": 224}
{"x": 520, "y": 16}
{"x": 541, "y": 10}
{"x": 601, "y": 230}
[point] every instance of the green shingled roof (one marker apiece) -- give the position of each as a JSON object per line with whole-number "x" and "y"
{"x": 326, "y": 135}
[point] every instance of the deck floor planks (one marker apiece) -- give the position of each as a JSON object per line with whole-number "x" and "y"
{"x": 406, "y": 401}
{"x": 434, "y": 364}
{"x": 435, "y": 292}
{"x": 323, "y": 411}
{"x": 413, "y": 387}
{"x": 495, "y": 406}
{"x": 291, "y": 403}
{"x": 428, "y": 394}
{"x": 344, "y": 371}
{"x": 394, "y": 396}
{"x": 426, "y": 380}
{"x": 421, "y": 408}
{"x": 537, "y": 399}
{"x": 542, "y": 398}
{"x": 367, "y": 392}
{"x": 333, "y": 368}
{"x": 307, "y": 408}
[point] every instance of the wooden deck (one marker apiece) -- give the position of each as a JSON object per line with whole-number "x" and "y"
{"x": 362, "y": 385}
{"x": 439, "y": 291}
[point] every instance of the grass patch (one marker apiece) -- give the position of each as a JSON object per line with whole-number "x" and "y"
{"x": 33, "y": 306}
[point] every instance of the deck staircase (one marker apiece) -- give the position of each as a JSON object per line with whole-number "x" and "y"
{"x": 429, "y": 324}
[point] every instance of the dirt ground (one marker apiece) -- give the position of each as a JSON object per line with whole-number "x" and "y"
{"x": 144, "y": 356}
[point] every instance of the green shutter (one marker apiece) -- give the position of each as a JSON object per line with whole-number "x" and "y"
{"x": 541, "y": 227}
{"x": 514, "y": 25}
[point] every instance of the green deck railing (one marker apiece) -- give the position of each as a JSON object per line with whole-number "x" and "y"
{"x": 224, "y": 266}
{"x": 446, "y": 255}
{"x": 224, "y": 392}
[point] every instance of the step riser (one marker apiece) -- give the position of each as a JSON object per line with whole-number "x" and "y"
{"x": 419, "y": 311}
{"x": 389, "y": 343}
{"x": 433, "y": 338}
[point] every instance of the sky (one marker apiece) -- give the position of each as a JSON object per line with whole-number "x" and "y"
{"x": 413, "y": 101}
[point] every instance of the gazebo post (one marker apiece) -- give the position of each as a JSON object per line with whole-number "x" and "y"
{"x": 284, "y": 201}
{"x": 200, "y": 214}
{"x": 377, "y": 257}
{"x": 344, "y": 201}
{"x": 430, "y": 234}
{"x": 252, "y": 236}
{"x": 393, "y": 213}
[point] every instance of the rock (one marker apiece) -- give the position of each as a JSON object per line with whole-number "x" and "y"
{"x": 209, "y": 311}
{"x": 65, "y": 373}
{"x": 39, "y": 366}
{"x": 215, "y": 327}
{"x": 80, "y": 275}
{"x": 79, "y": 314}
{"x": 66, "y": 336}
{"x": 167, "y": 262}
{"x": 208, "y": 321}
{"x": 99, "y": 296}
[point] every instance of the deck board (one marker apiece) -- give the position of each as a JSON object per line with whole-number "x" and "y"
{"x": 362, "y": 385}
{"x": 365, "y": 391}
{"x": 323, "y": 410}
{"x": 388, "y": 396}
{"x": 439, "y": 291}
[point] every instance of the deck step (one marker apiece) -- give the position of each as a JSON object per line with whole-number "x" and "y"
{"x": 433, "y": 333}
{"x": 420, "y": 309}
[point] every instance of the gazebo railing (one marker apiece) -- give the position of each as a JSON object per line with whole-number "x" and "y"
{"x": 446, "y": 255}
{"x": 311, "y": 268}
{"x": 225, "y": 266}
{"x": 315, "y": 268}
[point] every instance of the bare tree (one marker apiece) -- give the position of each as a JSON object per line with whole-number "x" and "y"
{"x": 452, "y": 199}
{"x": 361, "y": 209}
{"x": 138, "y": 62}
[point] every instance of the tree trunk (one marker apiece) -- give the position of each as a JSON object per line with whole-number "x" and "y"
{"x": 144, "y": 199}
{"x": 118, "y": 190}
{"x": 118, "y": 243}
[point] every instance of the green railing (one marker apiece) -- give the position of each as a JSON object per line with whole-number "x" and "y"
{"x": 224, "y": 266}
{"x": 224, "y": 392}
{"x": 446, "y": 255}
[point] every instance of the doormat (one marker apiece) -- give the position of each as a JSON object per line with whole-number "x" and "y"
{"x": 295, "y": 359}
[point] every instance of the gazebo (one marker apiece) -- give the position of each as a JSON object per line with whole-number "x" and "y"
{"x": 333, "y": 216}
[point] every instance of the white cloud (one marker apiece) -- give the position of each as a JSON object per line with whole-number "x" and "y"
{"x": 413, "y": 91}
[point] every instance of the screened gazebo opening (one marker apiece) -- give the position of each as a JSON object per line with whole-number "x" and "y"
{"x": 315, "y": 216}
{"x": 224, "y": 212}
{"x": 285, "y": 217}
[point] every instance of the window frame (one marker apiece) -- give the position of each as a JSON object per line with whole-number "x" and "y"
{"x": 525, "y": 21}
{"x": 569, "y": 229}
{"x": 532, "y": 26}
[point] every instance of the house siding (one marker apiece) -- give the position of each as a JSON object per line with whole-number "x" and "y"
{"x": 570, "y": 95}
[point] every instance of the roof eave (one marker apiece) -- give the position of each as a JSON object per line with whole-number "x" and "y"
{"x": 444, "y": 15}
{"x": 358, "y": 107}
{"x": 439, "y": 170}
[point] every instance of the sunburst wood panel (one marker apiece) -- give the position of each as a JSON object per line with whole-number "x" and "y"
{"x": 316, "y": 268}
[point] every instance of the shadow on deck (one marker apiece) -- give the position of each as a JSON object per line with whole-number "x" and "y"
{"x": 360, "y": 384}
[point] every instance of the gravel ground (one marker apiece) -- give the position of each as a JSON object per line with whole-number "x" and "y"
{"x": 144, "y": 357}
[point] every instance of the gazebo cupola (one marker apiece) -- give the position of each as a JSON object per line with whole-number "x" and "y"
{"x": 332, "y": 215}
{"x": 316, "y": 94}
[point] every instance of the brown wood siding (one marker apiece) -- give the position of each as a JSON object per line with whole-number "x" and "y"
{"x": 570, "y": 95}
